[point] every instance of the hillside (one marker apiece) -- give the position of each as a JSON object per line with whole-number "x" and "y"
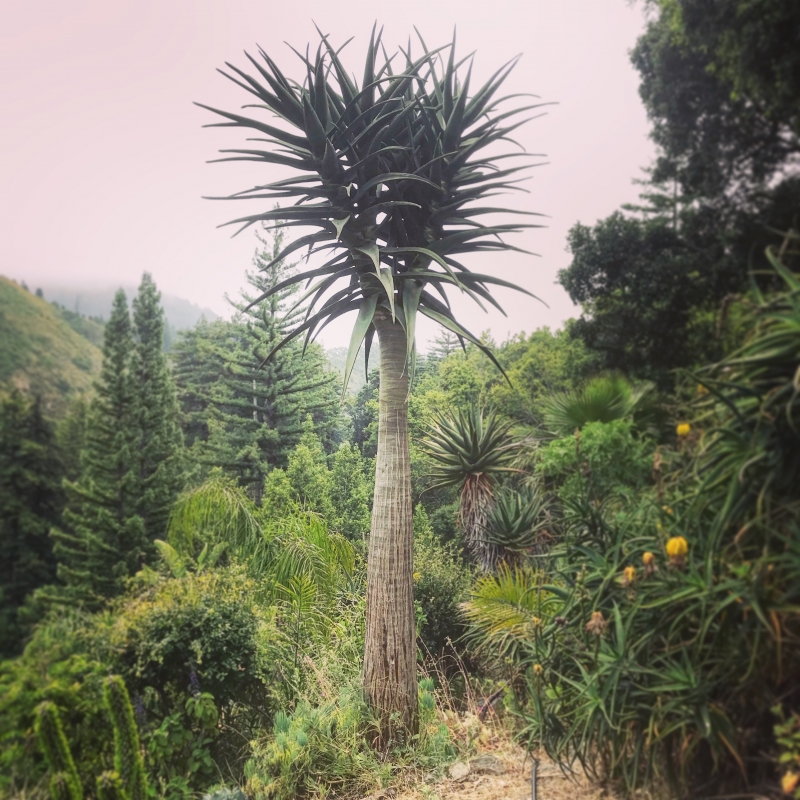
{"x": 337, "y": 358}
{"x": 41, "y": 353}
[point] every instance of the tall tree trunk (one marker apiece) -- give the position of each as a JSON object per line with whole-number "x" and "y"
{"x": 390, "y": 673}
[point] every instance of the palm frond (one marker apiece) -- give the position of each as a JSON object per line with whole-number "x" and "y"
{"x": 216, "y": 511}
{"x": 508, "y": 610}
{"x": 602, "y": 399}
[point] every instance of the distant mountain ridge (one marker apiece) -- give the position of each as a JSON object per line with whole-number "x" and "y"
{"x": 96, "y": 302}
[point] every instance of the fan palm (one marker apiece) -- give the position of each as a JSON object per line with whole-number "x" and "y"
{"x": 390, "y": 176}
{"x": 602, "y": 399}
{"x": 470, "y": 448}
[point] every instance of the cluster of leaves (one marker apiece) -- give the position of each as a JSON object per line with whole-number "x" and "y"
{"x": 719, "y": 84}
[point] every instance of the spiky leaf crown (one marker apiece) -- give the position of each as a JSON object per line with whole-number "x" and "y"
{"x": 465, "y": 443}
{"x": 391, "y": 174}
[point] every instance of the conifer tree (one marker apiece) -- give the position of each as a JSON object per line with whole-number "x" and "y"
{"x": 198, "y": 360}
{"x": 251, "y": 416}
{"x": 71, "y": 436}
{"x": 30, "y": 502}
{"x": 159, "y": 446}
{"x": 104, "y": 539}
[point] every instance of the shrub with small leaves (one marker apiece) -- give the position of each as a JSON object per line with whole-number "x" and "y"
{"x": 109, "y": 787}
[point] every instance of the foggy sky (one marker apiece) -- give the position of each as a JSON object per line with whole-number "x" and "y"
{"x": 102, "y": 154}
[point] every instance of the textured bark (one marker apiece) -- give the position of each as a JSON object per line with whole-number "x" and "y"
{"x": 390, "y": 672}
{"x": 476, "y": 500}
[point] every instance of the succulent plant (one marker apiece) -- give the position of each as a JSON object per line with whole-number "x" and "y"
{"x": 470, "y": 448}
{"x": 516, "y": 521}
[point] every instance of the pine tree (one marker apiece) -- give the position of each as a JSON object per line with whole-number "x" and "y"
{"x": 308, "y": 474}
{"x": 250, "y": 418}
{"x": 199, "y": 358}
{"x": 159, "y": 446}
{"x": 30, "y": 503}
{"x": 104, "y": 540}
{"x": 71, "y": 437}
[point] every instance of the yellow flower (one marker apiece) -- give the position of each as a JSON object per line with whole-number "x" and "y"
{"x": 628, "y": 576}
{"x": 648, "y": 558}
{"x": 789, "y": 781}
{"x": 538, "y": 669}
{"x": 667, "y": 510}
{"x": 417, "y": 576}
{"x": 683, "y": 429}
{"x": 677, "y": 547}
{"x": 701, "y": 390}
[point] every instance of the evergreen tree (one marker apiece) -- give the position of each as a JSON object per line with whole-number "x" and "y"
{"x": 199, "y": 357}
{"x": 30, "y": 503}
{"x": 249, "y": 418}
{"x": 159, "y": 450}
{"x": 308, "y": 474}
{"x": 104, "y": 540}
{"x": 71, "y": 437}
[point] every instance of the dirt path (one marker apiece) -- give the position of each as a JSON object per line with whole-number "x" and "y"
{"x": 503, "y": 773}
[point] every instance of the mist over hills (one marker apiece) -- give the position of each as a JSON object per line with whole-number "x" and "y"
{"x": 95, "y": 301}
{"x": 337, "y": 357}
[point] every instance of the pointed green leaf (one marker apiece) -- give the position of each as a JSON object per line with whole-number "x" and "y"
{"x": 373, "y": 251}
{"x": 385, "y": 275}
{"x": 363, "y": 322}
{"x": 411, "y": 294}
{"x": 339, "y": 225}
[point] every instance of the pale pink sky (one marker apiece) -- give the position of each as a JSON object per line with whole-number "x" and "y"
{"x": 102, "y": 154}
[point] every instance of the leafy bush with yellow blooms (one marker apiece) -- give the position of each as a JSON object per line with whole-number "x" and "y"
{"x": 654, "y": 637}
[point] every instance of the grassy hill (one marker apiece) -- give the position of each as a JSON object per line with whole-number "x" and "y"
{"x": 41, "y": 353}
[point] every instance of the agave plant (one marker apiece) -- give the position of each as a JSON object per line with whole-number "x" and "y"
{"x": 391, "y": 177}
{"x": 470, "y": 448}
{"x": 516, "y": 522}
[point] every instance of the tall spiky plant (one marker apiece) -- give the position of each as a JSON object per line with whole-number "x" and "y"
{"x": 387, "y": 174}
{"x": 470, "y": 448}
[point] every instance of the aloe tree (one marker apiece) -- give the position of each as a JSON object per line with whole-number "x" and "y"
{"x": 391, "y": 177}
{"x": 470, "y": 449}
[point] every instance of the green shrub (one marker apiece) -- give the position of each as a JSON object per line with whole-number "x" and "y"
{"x": 441, "y": 582}
{"x": 606, "y": 457}
{"x": 327, "y": 748}
{"x": 58, "y": 667}
{"x": 191, "y": 650}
